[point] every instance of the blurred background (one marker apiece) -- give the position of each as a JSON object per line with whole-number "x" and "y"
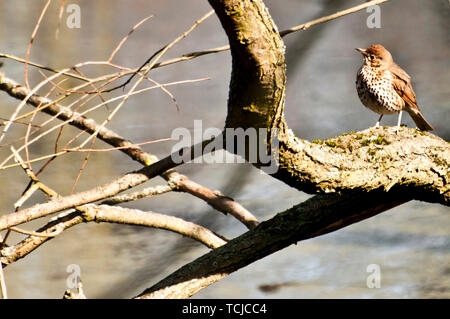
{"x": 410, "y": 243}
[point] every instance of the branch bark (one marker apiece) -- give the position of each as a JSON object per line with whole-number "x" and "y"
{"x": 105, "y": 213}
{"x": 358, "y": 175}
{"x": 369, "y": 160}
{"x": 316, "y": 216}
{"x": 180, "y": 182}
{"x": 366, "y": 173}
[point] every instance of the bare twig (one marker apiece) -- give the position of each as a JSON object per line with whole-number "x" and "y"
{"x": 218, "y": 201}
{"x": 33, "y": 35}
{"x": 126, "y": 37}
{"x": 115, "y": 148}
{"x": 27, "y": 134}
{"x": 83, "y": 165}
{"x": 147, "y": 192}
{"x": 112, "y": 188}
{"x": 25, "y": 100}
{"x": 17, "y": 91}
{"x": 47, "y": 190}
{"x": 32, "y": 233}
{"x": 60, "y": 15}
{"x": 21, "y": 122}
{"x": 29, "y": 190}
{"x": 307, "y": 25}
{"x": 158, "y": 54}
{"x": 43, "y": 67}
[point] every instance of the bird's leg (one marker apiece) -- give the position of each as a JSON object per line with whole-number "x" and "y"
{"x": 399, "y": 120}
{"x": 378, "y": 122}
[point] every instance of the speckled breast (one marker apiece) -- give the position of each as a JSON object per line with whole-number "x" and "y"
{"x": 375, "y": 90}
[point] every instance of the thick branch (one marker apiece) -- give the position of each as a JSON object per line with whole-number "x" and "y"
{"x": 316, "y": 216}
{"x": 373, "y": 170}
{"x": 369, "y": 160}
{"x": 374, "y": 159}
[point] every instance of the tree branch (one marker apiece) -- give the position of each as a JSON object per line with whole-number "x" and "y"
{"x": 316, "y": 216}
{"x": 369, "y": 172}
{"x": 101, "y": 192}
{"x": 219, "y": 202}
{"x": 369, "y": 160}
{"x": 366, "y": 172}
{"x": 105, "y": 213}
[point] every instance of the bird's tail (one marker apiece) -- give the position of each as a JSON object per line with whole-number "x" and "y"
{"x": 419, "y": 119}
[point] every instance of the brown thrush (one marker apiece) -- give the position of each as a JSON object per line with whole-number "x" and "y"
{"x": 385, "y": 88}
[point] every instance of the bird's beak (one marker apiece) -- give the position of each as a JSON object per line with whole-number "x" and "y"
{"x": 362, "y": 51}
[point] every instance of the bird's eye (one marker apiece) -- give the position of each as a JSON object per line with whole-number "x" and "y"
{"x": 371, "y": 56}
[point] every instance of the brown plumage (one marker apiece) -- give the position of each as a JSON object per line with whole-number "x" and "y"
{"x": 385, "y": 88}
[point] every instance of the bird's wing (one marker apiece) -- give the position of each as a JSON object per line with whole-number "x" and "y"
{"x": 398, "y": 71}
{"x": 402, "y": 85}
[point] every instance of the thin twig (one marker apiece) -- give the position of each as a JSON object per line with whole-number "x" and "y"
{"x": 98, "y": 127}
{"x": 115, "y": 148}
{"x": 147, "y": 192}
{"x": 60, "y": 15}
{"x": 47, "y": 190}
{"x": 83, "y": 165}
{"x": 330, "y": 17}
{"x": 43, "y": 67}
{"x": 126, "y": 37}
{"x": 158, "y": 54}
{"x": 29, "y": 190}
{"x": 32, "y": 233}
{"x": 25, "y": 100}
{"x": 218, "y": 201}
{"x": 21, "y": 122}
{"x": 134, "y": 151}
{"x": 33, "y": 35}
{"x": 27, "y": 134}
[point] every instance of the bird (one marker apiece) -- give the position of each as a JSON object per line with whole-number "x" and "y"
{"x": 385, "y": 88}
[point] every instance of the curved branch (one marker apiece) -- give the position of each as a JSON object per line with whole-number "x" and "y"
{"x": 218, "y": 201}
{"x": 104, "y": 213}
{"x": 101, "y": 192}
{"x": 370, "y": 171}
{"x": 370, "y": 160}
{"x": 109, "y": 214}
{"x": 316, "y": 216}
{"x": 180, "y": 182}
{"x": 373, "y": 159}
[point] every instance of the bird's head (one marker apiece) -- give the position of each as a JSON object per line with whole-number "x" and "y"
{"x": 376, "y": 56}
